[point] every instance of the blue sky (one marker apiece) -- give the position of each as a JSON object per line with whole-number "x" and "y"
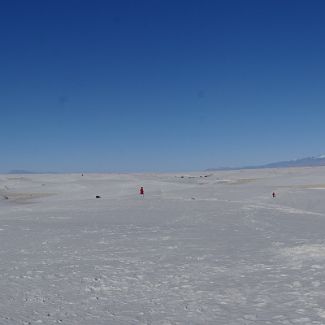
{"x": 156, "y": 85}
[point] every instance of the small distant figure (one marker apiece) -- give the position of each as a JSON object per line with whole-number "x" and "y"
{"x": 273, "y": 194}
{"x": 141, "y": 191}
{"x": 82, "y": 174}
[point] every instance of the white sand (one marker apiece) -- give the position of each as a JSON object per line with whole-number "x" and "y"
{"x": 195, "y": 250}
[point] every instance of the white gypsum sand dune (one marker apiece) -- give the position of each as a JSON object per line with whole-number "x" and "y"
{"x": 198, "y": 248}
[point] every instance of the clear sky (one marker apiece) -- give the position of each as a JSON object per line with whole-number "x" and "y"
{"x": 160, "y": 85}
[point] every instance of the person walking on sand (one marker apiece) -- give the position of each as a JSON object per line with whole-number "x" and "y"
{"x": 142, "y": 191}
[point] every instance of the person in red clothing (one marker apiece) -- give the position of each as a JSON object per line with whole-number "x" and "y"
{"x": 141, "y": 191}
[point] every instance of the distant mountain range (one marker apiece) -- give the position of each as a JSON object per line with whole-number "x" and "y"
{"x": 302, "y": 162}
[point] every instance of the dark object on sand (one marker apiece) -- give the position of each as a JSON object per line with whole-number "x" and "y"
{"x": 97, "y": 196}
